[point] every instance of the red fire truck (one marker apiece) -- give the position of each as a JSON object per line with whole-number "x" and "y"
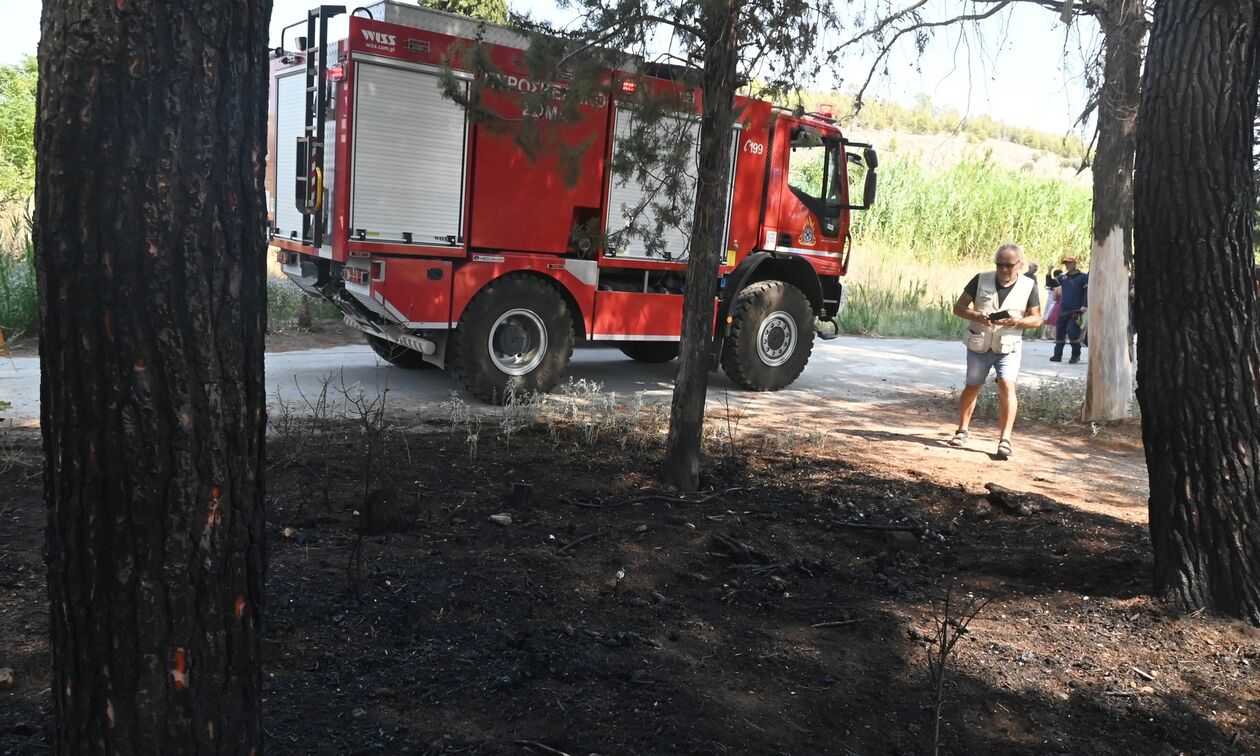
{"x": 449, "y": 246}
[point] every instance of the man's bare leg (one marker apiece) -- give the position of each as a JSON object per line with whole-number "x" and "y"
{"x": 967, "y": 406}
{"x": 1008, "y": 403}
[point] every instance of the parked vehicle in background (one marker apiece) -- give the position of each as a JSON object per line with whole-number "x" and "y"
{"x": 449, "y": 246}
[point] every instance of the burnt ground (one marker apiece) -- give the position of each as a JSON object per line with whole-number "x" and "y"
{"x": 760, "y": 621}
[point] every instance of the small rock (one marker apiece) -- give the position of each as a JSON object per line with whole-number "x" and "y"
{"x": 980, "y": 508}
{"x": 359, "y": 713}
{"x": 7, "y": 680}
{"x": 1062, "y": 696}
{"x": 1146, "y": 690}
{"x": 503, "y": 518}
{"x": 641, "y": 529}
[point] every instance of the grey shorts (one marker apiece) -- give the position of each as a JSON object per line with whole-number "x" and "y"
{"x": 980, "y": 363}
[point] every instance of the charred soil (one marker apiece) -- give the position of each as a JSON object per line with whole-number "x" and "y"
{"x": 770, "y": 618}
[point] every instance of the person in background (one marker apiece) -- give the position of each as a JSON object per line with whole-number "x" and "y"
{"x": 1032, "y": 270}
{"x": 1073, "y": 301}
{"x": 1052, "y": 299}
{"x": 999, "y": 305}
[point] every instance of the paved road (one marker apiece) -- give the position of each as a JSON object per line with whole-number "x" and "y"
{"x": 848, "y": 368}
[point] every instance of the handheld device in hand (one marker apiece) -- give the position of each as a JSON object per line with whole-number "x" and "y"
{"x": 1001, "y": 315}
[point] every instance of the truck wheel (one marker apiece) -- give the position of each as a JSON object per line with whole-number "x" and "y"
{"x": 516, "y": 328}
{"x": 397, "y": 354}
{"x": 772, "y": 335}
{"x": 650, "y": 351}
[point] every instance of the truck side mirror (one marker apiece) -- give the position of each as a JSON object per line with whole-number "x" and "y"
{"x": 872, "y": 159}
{"x": 868, "y": 191}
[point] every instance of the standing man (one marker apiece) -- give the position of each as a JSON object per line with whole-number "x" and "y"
{"x": 1073, "y": 298}
{"x": 998, "y": 304}
{"x": 1032, "y": 270}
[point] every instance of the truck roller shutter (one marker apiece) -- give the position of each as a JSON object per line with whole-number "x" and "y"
{"x": 408, "y": 159}
{"x": 290, "y": 119}
{"x": 626, "y": 193}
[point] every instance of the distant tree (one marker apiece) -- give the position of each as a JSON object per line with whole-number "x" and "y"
{"x": 494, "y": 11}
{"x": 17, "y": 130}
{"x": 1197, "y": 313}
{"x": 149, "y": 226}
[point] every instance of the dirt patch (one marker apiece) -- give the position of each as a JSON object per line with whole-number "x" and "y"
{"x": 764, "y": 620}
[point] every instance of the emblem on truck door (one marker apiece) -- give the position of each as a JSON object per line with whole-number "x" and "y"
{"x": 807, "y": 237}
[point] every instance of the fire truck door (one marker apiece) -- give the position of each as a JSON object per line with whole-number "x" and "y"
{"x": 408, "y": 158}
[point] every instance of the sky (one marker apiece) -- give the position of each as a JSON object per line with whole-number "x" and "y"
{"x": 1009, "y": 67}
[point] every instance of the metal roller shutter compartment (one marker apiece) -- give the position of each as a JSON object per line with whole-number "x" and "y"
{"x": 627, "y": 193}
{"x": 408, "y": 160}
{"x": 290, "y": 118}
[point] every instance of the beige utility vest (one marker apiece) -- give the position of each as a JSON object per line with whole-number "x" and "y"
{"x": 1000, "y": 340}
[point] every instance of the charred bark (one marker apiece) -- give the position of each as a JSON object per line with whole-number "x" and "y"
{"x": 1199, "y": 372}
{"x": 681, "y": 466}
{"x": 1123, "y": 24}
{"x": 150, "y": 216}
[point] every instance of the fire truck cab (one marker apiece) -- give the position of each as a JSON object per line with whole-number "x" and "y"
{"x": 449, "y": 246}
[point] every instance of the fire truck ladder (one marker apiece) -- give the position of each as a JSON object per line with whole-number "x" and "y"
{"x": 309, "y": 189}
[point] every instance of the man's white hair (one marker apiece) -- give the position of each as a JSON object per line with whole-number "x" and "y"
{"x": 1018, "y": 250}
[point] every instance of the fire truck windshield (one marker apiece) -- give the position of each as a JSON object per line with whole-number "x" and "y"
{"x": 814, "y": 177}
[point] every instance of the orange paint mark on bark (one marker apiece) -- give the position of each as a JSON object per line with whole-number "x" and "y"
{"x": 120, "y": 3}
{"x": 179, "y": 672}
{"x": 109, "y": 713}
{"x": 137, "y": 63}
{"x": 240, "y": 606}
{"x": 153, "y": 250}
{"x": 139, "y": 364}
{"x": 216, "y": 493}
{"x": 107, "y": 320}
{"x": 213, "y": 517}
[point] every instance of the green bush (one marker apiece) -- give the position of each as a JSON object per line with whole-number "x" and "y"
{"x": 964, "y": 212}
{"x": 19, "y": 307}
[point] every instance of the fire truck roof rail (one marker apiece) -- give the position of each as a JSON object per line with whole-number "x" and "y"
{"x": 455, "y": 25}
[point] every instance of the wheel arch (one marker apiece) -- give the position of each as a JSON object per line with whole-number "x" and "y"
{"x": 577, "y": 314}
{"x": 769, "y": 266}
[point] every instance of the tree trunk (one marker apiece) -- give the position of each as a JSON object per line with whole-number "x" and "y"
{"x": 686, "y": 421}
{"x": 1199, "y": 375}
{"x": 150, "y": 217}
{"x": 1110, "y": 373}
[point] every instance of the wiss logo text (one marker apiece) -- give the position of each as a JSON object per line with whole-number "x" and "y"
{"x": 385, "y": 40}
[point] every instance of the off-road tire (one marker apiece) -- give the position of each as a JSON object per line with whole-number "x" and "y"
{"x": 397, "y": 354}
{"x": 653, "y": 352}
{"x": 741, "y": 359}
{"x": 468, "y": 357}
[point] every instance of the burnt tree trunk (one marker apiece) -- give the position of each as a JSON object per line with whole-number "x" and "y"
{"x": 720, "y": 18}
{"x": 149, "y": 225}
{"x": 1110, "y": 378}
{"x": 1199, "y": 372}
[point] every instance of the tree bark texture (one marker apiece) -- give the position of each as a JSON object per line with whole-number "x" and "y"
{"x": 150, "y": 217}
{"x": 1110, "y": 380}
{"x": 719, "y": 83}
{"x": 1199, "y": 372}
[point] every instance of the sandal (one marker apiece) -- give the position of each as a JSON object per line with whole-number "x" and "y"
{"x": 960, "y": 438}
{"x": 1004, "y": 449}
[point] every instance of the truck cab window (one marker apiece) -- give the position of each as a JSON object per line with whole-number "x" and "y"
{"x": 814, "y": 176}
